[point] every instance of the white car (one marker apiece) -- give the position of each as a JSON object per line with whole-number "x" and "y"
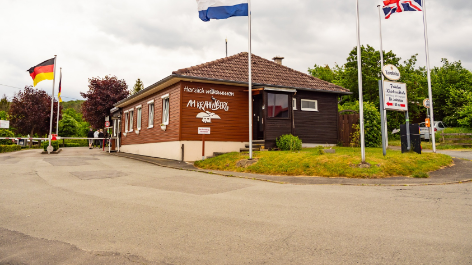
{"x": 424, "y": 131}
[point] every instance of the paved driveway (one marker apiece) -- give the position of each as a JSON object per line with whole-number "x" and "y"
{"x": 85, "y": 207}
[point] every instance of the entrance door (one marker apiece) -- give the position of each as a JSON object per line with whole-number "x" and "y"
{"x": 258, "y": 118}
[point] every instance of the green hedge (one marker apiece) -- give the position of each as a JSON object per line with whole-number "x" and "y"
{"x": 54, "y": 144}
{"x": 73, "y": 145}
{"x": 9, "y": 148}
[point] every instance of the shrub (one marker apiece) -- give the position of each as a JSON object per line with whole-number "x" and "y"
{"x": 6, "y": 133}
{"x": 289, "y": 142}
{"x": 54, "y": 144}
{"x": 72, "y": 145}
{"x": 9, "y": 148}
{"x": 372, "y": 128}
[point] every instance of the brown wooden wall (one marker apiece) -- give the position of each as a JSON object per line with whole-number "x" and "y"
{"x": 317, "y": 127}
{"x": 155, "y": 134}
{"x": 233, "y": 125}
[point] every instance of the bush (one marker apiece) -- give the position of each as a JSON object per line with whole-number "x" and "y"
{"x": 9, "y": 148}
{"x": 6, "y": 133}
{"x": 289, "y": 142}
{"x": 79, "y": 142}
{"x": 372, "y": 128}
{"x": 54, "y": 144}
{"x": 72, "y": 145}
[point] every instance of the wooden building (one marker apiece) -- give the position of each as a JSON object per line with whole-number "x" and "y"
{"x": 163, "y": 119}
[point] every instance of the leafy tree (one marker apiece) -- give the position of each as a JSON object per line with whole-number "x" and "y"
{"x": 138, "y": 86}
{"x": 450, "y": 83}
{"x": 4, "y": 115}
{"x": 30, "y": 112}
{"x": 68, "y": 126}
{"x": 102, "y": 94}
{"x": 372, "y": 127}
{"x": 4, "y": 104}
{"x": 82, "y": 126}
{"x": 465, "y": 113}
{"x": 6, "y": 133}
{"x": 323, "y": 72}
{"x": 346, "y": 75}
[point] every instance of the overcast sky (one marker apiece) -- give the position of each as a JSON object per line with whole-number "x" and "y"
{"x": 150, "y": 39}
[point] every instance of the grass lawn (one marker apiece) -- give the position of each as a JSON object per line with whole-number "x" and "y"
{"x": 311, "y": 162}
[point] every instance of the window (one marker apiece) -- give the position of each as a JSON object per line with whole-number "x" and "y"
{"x": 115, "y": 127}
{"x": 294, "y": 103}
{"x": 131, "y": 121}
{"x": 151, "y": 114}
{"x": 277, "y": 105}
{"x": 309, "y": 105}
{"x": 126, "y": 121}
{"x": 138, "y": 119}
{"x": 165, "y": 109}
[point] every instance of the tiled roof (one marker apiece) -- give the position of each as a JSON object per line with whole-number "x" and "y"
{"x": 264, "y": 72}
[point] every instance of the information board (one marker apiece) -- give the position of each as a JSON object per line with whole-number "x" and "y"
{"x": 395, "y": 96}
{"x": 203, "y": 130}
{"x": 4, "y": 124}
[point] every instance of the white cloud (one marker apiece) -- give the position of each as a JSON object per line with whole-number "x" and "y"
{"x": 150, "y": 39}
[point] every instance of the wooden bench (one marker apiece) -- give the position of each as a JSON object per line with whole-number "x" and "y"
{"x": 465, "y": 140}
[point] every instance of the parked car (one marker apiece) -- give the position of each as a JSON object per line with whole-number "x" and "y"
{"x": 424, "y": 131}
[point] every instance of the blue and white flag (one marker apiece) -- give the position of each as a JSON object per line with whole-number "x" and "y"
{"x": 222, "y": 9}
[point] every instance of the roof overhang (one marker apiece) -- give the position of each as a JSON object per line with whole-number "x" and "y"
{"x": 173, "y": 79}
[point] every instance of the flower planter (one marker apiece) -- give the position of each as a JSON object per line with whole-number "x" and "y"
{"x": 163, "y": 127}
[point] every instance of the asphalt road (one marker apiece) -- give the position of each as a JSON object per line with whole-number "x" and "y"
{"x": 86, "y": 207}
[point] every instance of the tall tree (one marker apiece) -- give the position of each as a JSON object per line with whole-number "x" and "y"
{"x": 4, "y": 104}
{"x": 30, "y": 112}
{"x": 323, "y": 72}
{"x": 138, "y": 86}
{"x": 99, "y": 100}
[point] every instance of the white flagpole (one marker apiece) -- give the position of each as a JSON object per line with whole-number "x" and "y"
{"x": 359, "y": 70}
{"x": 381, "y": 75}
{"x": 250, "y": 81}
{"x": 58, "y": 103}
{"x": 429, "y": 75}
{"x": 52, "y": 101}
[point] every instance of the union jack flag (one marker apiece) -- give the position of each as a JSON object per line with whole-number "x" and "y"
{"x": 398, "y": 6}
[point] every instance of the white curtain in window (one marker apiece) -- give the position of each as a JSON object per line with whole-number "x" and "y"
{"x": 131, "y": 121}
{"x": 139, "y": 119}
{"x": 151, "y": 115}
{"x": 165, "y": 111}
{"x": 126, "y": 121}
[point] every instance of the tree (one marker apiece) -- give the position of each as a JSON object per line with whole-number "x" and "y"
{"x": 4, "y": 104}
{"x": 102, "y": 94}
{"x": 82, "y": 126}
{"x": 4, "y": 115}
{"x": 73, "y": 104}
{"x": 323, "y": 72}
{"x": 137, "y": 87}
{"x": 30, "y": 112}
{"x": 372, "y": 127}
{"x": 68, "y": 126}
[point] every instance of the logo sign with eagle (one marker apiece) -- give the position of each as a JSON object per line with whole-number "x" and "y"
{"x": 391, "y": 72}
{"x": 208, "y": 116}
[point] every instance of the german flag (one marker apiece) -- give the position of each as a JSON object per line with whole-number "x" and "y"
{"x": 42, "y": 71}
{"x": 60, "y": 88}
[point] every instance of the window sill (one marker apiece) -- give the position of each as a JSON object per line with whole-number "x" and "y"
{"x": 275, "y": 118}
{"x": 313, "y": 110}
{"x": 150, "y": 127}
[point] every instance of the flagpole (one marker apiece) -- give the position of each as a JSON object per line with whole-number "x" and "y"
{"x": 52, "y": 103}
{"x": 250, "y": 80}
{"x": 359, "y": 70}
{"x": 58, "y": 103}
{"x": 382, "y": 76}
{"x": 429, "y": 75}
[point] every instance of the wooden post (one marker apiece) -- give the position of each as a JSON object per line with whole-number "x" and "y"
{"x": 183, "y": 146}
{"x": 203, "y": 147}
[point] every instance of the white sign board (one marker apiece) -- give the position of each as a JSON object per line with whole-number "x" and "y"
{"x": 395, "y": 96}
{"x": 4, "y": 124}
{"x": 203, "y": 130}
{"x": 391, "y": 72}
{"x": 426, "y": 103}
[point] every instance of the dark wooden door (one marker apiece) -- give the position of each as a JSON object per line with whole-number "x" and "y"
{"x": 258, "y": 118}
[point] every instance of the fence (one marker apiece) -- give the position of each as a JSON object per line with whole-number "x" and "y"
{"x": 345, "y": 122}
{"x": 464, "y": 141}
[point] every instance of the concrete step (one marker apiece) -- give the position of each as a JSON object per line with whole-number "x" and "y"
{"x": 255, "y": 145}
{"x": 247, "y": 149}
{"x": 258, "y": 142}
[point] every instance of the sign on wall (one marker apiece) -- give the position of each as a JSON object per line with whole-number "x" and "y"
{"x": 4, "y": 124}
{"x": 203, "y": 130}
{"x": 395, "y": 96}
{"x": 208, "y": 107}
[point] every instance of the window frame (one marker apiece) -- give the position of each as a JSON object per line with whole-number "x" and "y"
{"x": 164, "y": 99}
{"x": 131, "y": 120}
{"x": 151, "y": 114}
{"x": 288, "y": 110}
{"x": 294, "y": 103}
{"x": 139, "y": 118}
{"x": 309, "y": 109}
{"x": 126, "y": 121}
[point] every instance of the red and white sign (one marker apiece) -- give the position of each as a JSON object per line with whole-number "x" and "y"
{"x": 395, "y": 96}
{"x": 203, "y": 130}
{"x": 107, "y": 124}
